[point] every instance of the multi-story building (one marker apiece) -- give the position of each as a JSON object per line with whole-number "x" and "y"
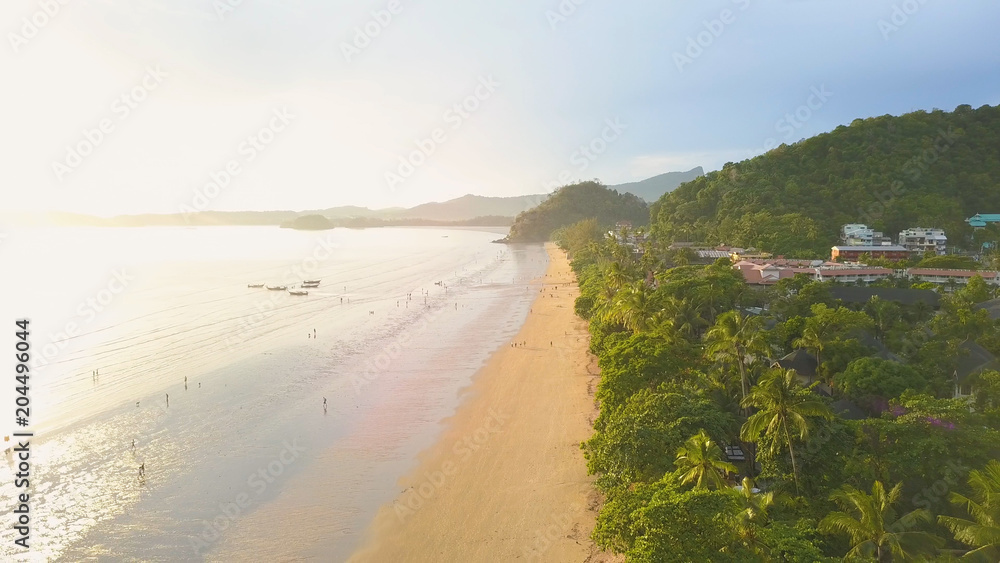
{"x": 856, "y": 234}
{"x": 853, "y": 253}
{"x": 923, "y": 240}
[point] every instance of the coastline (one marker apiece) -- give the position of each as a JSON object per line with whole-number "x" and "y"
{"x": 507, "y": 479}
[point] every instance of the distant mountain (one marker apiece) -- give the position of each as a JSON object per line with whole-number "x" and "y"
{"x": 577, "y": 202}
{"x": 471, "y": 206}
{"x": 652, "y": 189}
{"x": 466, "y": 210}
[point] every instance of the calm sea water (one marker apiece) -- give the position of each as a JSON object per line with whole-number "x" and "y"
{"x": 402, "y": 320}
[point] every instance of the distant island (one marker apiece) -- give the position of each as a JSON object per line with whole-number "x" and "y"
{"x": 309, "y": 223}
{"x": 468, "y": 210}
{"x": 321, "y": 223}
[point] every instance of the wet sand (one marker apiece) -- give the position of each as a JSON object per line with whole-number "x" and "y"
{"x": 507, "y": 479}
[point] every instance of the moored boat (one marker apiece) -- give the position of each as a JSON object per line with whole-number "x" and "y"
{"x": 297, "y": 292}
{"x": 255, "y": 285}
{"x": 277, "y": 287}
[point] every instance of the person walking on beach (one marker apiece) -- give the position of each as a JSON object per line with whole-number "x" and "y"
{"x": 168, "y": 399}
{"x": 133, "y": 444}
{"x": 314, "y": 333}
{"x": 142, "y": 469}
{"x": 324, "y": 405}
{"x": 185, "y": 383}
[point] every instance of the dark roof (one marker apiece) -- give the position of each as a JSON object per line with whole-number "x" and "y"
{"x": 902, "y": 296}
{"x": 975, "y": 359}
{"x": 847, "y": 410}
{"x": 802, "y": 362}
{"x": 992, "y": 307}
{"x": 868, "y": 339}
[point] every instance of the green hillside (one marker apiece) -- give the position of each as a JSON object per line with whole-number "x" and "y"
{"x": 570, "y": 204}
{"x": 926, "y": 169}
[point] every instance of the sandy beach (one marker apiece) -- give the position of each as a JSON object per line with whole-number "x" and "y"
{"x": 507, "y": 479}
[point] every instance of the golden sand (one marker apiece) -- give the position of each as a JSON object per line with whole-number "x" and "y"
{"x": 507, "y": 480}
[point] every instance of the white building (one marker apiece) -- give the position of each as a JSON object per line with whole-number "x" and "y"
{"x": 924, "y": 240}
{"x": 856, "y": 234}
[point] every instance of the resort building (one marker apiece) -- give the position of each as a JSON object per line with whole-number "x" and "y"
{"x": 980, "y": 220}
{"x": 924, "y": 240}
{"x": 854, "y": 275}
{"x": 958, "y": 277}
{"x": 853, "y": 253}
{"x": 857, "y": 234}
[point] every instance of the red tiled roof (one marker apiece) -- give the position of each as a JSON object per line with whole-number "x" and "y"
{"x": 856, "y": 272}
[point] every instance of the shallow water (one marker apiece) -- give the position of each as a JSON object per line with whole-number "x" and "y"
{"x": 250, "y": 420}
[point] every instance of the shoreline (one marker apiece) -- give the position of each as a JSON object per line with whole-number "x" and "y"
{"x": 506, "y": 478}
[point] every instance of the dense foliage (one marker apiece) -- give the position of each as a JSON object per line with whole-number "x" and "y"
{"x": 689, "y": 382}
{"x": 923, "y": 169}
{"x": 569, "y": 204}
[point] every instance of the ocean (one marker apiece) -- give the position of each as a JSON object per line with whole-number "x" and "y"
{"x": 152, "y": 335}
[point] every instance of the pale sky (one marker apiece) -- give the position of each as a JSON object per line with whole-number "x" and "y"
{"x": 628, "y": 78}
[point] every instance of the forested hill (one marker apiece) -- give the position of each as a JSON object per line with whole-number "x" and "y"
{"x": 923, "y": 169}
{"x": 577, "y": 202}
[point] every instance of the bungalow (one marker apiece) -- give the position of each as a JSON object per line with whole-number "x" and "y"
{"x": 974, "y": 361}
{"x": 992, "y": 307}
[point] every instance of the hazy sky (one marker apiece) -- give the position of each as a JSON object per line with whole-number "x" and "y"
{"x": 309, "y": 110}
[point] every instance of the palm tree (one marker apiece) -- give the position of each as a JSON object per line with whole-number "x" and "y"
{"x": 615, "y": 276}
{"x": 701, "y": 460}
{"x": 814, "y": 343}
{"x": 982, "y": 533}
{"x": 783, "y": 403}
{"x": 737, "y": 339}
{"x": 752, "y": 515}
{"x": 883, "y": 313}
{"x": 685, "y": 315}
{"x": 871, "y": 523}
{"x": 635, "y": 307}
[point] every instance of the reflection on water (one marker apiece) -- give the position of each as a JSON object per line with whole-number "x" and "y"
{"x": 255, "y": 377}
